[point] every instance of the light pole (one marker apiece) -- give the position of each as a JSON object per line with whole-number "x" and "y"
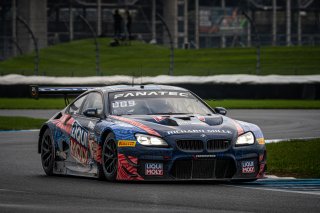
{"x": 258, "y": 41}
{"x": 36, "y": 57}
{"x": 171, "y": 44}
{"x": 95, "y": 43}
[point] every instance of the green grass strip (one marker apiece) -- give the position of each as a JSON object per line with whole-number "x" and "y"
{"x": 294, "y": 158}
{"x": 265, "y": 104}
{"x": 20, "y": 123}
{"x": 28, "y": 103}
{"x": 77, "y": 58}
{"x": 58, "y": 103}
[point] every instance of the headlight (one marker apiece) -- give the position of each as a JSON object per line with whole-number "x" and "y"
{"x": 245, "y": 139}
{"x": 148, "y": 140}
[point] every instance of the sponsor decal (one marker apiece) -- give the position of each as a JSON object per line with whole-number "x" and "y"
{"x": 247, "y": 167}
{"x": 191, "y": 131}
{"x": 79, "y": 134}
{"x": 79, "y": 152}
{"x": 205, "y": 156}
{"x": 149, "y": 94}
{"x": 126, "y": 143}
{"x": 261, "y": 141}
{"x": 79, "y": 143}
{"x": 154, "y": 169}
{"x": 136, "y": 124}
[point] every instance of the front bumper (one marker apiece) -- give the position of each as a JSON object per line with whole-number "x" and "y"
{"x": 147, "y": 163}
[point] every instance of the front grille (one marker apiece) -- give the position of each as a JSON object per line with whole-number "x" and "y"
{"x": 203, "y": 169}
{"x": 218, "y": 145}
{"x": 190, "y": 145}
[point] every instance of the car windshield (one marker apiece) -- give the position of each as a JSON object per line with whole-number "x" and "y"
{"x": 156, "y": 103}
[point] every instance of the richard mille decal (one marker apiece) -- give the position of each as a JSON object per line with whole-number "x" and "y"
{"x": 191, "y": 131}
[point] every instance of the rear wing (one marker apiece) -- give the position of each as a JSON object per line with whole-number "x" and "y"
{"x": 37, "y": 91}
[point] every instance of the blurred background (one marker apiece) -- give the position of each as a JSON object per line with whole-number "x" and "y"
{"x": 175, "y": 37}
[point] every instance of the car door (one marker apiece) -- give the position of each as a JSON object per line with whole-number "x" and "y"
{"x": 63, "y": 135}
{"x": 84, "y": 147}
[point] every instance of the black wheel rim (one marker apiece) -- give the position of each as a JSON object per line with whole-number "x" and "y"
{"x": 110, "y": 157}
{"x": 46, "y": 153}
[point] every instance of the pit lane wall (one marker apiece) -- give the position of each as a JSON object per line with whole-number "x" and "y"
{"x": 208, "y": 87}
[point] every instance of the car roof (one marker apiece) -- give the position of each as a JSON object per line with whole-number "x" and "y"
{"x": 120, "y": 88}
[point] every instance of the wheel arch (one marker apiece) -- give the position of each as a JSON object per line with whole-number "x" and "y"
{"x": 104, "y": 134}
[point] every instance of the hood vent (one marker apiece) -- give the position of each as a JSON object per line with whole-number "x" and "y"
{"x": 184, "y": 118}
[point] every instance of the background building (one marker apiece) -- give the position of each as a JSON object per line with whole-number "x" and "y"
{"x": 29, "y": 25}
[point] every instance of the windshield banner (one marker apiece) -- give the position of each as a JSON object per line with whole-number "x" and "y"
{"x": 148, "y": 94}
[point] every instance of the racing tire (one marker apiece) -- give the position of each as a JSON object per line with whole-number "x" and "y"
{"x": 47, "y": 152}
{"x": 110, "y": 158}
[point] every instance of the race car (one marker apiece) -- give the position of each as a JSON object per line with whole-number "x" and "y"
{"x": 148, "y": 132}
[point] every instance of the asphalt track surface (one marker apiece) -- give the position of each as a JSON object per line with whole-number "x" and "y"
{"x": 275, "y": 124}
{"x": 25, "y": 188}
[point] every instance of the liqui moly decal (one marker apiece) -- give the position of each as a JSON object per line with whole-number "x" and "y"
{"x": 154, "y": 169}
{"x": 79, "y": 152}
{"x": 79, "y": 134}
{"x": 247, "y": 167}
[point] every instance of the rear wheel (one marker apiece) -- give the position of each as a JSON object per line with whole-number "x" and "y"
{"x": 47, "y": 152}
{"x": 110, "y": 157}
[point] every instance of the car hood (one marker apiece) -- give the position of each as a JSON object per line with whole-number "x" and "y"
{"x": 191, "y": 124}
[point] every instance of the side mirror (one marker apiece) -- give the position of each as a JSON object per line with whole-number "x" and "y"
{"x": 220, "y": 110}
{"x": 91, "y": 112}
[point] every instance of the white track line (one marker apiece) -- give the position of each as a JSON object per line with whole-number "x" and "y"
{"x": 278, "y": 190}
{"x": 289, "y": 139}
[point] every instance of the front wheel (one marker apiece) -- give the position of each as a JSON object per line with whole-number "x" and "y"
{"x": 47, "y": 152}
{"x": 110, "y": 157}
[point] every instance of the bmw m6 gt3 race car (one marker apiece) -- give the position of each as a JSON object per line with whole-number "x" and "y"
{"x": 150, "y": 132}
